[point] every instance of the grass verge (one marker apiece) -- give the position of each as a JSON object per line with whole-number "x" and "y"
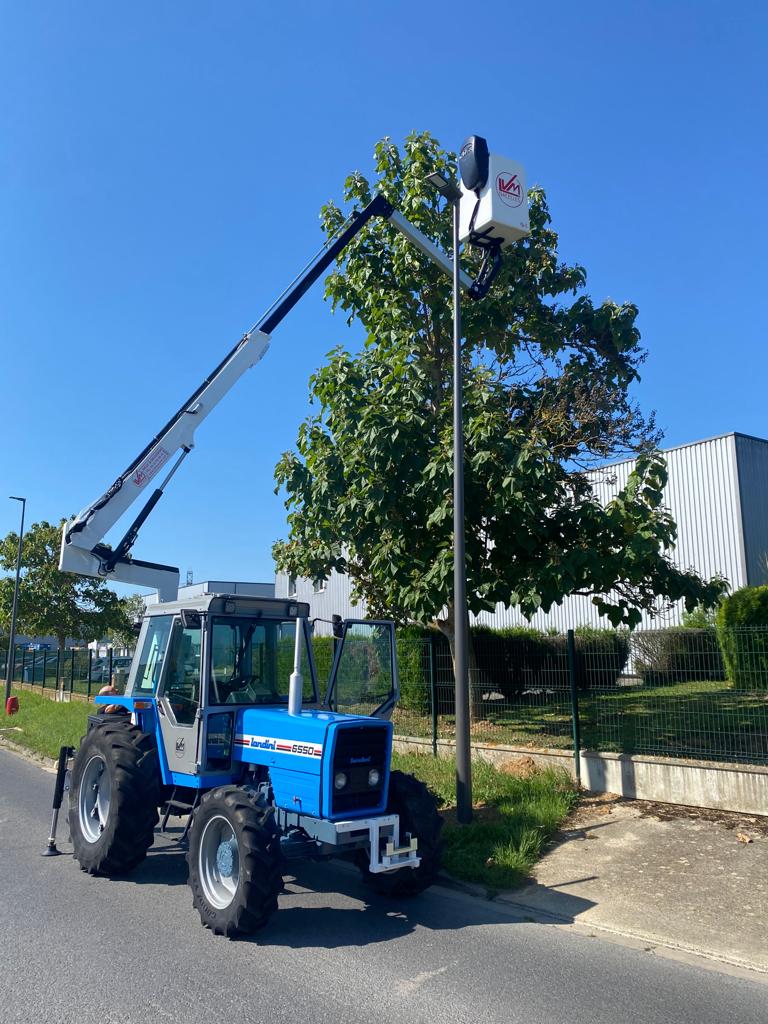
{"x": 45, "y": 724}
{"x": 515, "y": 816}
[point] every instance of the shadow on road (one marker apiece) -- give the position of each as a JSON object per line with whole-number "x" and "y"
{"x": 373, "y": 918}
{"x": 311, "y": 917}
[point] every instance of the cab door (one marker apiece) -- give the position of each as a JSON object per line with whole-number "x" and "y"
{"x": 364, "y": 679}
{"x": 178, "y": 704}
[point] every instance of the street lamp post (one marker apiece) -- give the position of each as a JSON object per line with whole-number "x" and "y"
{"x": 10, "y": 660}
{"x": 450, "y": 191}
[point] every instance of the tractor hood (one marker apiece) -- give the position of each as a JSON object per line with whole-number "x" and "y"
{"x": 273, "y": 737}
{"x": 302, "y": 753}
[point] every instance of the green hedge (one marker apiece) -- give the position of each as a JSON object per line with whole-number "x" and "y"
{"x": 678, "y": 655}
{"x": 745, "y": 647}
{"x": 601, "y": 656}
{"x": 507, "y": 662}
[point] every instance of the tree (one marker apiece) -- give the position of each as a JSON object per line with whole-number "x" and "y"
{"x": 547, "y": 378}
{"x": 51, "y": 602}
{"x": 133, "y": 607}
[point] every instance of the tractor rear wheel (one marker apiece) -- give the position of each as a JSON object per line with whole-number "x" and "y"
{"x": 234, "y": 861}
{"x": 417, "y": 808}
{"x": 113, "y": 798}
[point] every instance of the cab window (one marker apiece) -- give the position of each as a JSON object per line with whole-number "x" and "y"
{"x": 252, "y": 661}
{"x": 153, "y": 653}
{"x": 182, "y": 680}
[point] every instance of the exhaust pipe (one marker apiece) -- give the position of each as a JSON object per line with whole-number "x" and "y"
{"x": 296, "y": 686}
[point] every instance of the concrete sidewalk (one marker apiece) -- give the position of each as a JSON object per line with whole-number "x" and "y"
{"x": 690, "y": 879}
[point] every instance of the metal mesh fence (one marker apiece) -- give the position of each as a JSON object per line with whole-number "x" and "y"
{"x": 71, "y": 671}
{"x": 678, "y": 692}
{"x": 682, "y": 693}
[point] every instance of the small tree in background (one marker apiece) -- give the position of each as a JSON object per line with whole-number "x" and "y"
{"x": 547, "y": 377}
{"x": 54, "y": 603}
{"x": 133, "y": 607}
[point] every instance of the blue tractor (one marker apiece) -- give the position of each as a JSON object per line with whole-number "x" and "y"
{"x": 222, "y": 722}
{"x": 218, "y": 721}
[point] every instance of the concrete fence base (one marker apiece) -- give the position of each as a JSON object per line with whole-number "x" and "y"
{"x": 53, "y": 693}
{"x": 723, "y": 787}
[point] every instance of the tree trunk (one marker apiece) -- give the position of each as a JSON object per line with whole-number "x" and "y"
{"x": 447, "y": 627}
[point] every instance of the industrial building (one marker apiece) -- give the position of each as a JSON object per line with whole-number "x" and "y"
{"x": 717, "y": 493}
{"x": 191, "y": 590}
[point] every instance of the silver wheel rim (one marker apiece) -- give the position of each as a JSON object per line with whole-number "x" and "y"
{"x": 219, "y": 862}
{"x": 93, "y": 805}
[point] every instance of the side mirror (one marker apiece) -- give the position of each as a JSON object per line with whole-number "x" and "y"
{"x": 337, "y": 624}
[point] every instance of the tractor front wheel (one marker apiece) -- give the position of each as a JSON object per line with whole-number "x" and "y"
{"x": 113, "y": 798}
{"x": 234, "y": 861}
{"x": 417, "y": 808}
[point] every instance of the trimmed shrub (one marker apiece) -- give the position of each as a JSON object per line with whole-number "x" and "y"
{"x": 413, "y": 658}
{"x": 743, "y": 643}
{"x": 601, "y": 655}
{"x": 515, "y": 659}
{"x": 677, "y": 655}
{"x": 322, "y": 651}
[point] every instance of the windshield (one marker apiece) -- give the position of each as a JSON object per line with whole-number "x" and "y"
{"x": 252, "y": 661}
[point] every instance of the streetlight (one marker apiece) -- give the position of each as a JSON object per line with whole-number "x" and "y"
{"x": 452, "y": 193}
{"x": 11, "y": 659}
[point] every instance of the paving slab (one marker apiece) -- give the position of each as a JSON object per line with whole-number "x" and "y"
{"x": 691, "y": 879}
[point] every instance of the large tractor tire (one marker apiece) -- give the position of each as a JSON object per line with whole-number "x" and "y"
{"x": 411, "y": 800}
{"x": 234, "y": 861}
{"x": 113, "y": 798}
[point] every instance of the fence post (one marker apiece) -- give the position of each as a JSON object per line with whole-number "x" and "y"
{"x": 571, "y": 644}
{"x": 90, "y": 670}
{"x": 432, "y": 700}
{"x": 23, "y": 663}
{"x": 58, "y": 670}
{"x": 72, "y": 671}
{"x": 109, "y": 678}
{"x": 45, "y": 666}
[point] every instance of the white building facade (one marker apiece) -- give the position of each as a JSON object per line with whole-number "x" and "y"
{"x": 717, "y": 493}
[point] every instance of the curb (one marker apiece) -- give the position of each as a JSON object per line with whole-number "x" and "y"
{"x": 47, "y": 763}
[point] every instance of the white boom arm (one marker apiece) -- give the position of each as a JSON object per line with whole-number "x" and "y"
{"x": 82, "y": 547}
{"x": 86, "y": 531}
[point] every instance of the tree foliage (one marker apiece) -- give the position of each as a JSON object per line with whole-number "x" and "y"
{"x": 547, "y": 378}
{"x": 124, "y": 635}
{"x": 54, "y": 603}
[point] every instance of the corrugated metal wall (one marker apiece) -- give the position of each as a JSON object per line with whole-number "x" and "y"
{"x": 703, "y": 495}
{"x": 752, "y": 458}
{"x": 334, "y": 599}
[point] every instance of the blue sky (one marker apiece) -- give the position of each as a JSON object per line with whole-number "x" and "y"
{"x": 162, "y": 166}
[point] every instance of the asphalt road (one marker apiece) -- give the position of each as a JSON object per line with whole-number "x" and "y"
{"x": 77, "y": 950}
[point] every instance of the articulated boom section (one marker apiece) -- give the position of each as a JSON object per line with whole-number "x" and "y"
{"x": 82, "y": 550}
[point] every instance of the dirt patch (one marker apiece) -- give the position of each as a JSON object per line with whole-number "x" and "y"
{"x": 520, "y": 767}
{"x": 482, "y": 814}
{"x": 593, "y": 806}
{"x": 749, "y": 823}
